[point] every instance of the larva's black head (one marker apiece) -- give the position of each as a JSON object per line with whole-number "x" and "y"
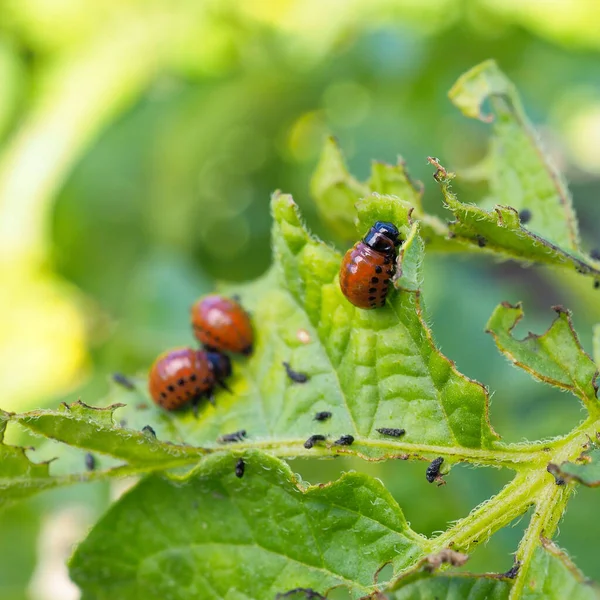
{"x": 221, "y": 365}
{"x": 383, "y": 237}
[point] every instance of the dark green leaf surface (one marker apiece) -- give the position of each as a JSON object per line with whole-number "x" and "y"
{"x": 555, "y": 357}
{"x": 552, "y": 576}
{"x": 454, "y": 587}
{"x": 217, "y": 536}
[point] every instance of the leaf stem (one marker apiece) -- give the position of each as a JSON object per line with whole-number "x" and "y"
{"x": 551, "y": 502}
{"x": 497, "y": 512}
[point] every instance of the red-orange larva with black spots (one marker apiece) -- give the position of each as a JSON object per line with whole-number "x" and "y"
{"x": 222, "y": 324}
{"x": 184, "y": 375}
{"x": 369, "y": 266}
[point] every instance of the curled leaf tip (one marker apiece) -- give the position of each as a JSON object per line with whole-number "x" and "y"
{"x": 441, "y": 175}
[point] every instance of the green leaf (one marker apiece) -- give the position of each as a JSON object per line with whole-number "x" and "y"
{"x": 214, "y": 535}
{"x": 552, "y": 576}
{"x": 585, "y": 469}
{"x": 336, "y": 192}
{"x": 555, "y": 357}
{"x": 500, "y": 231}
{"x": 454, "y": 587}
{"x": 521, "y": 174}
{"x": 94, "y": 429}
{"x": 19, "y": 477}
{"x": 596, "y": 344}
{"x": 386, "y": 369}
{"x": 371, "y": 369}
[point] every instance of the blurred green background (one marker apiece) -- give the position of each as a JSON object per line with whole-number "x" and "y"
{"x": 139, "y": 144}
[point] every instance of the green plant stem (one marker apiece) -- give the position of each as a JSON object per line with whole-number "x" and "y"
{"x": 550, "y": 506}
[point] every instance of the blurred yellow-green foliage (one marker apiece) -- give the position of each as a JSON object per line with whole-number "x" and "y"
{"x": 139, "y": 143}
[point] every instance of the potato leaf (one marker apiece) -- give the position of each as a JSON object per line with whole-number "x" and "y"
{"x": 521, "y": 174}
{"x": 214, "y": 535}
{"x": 555, "y": 357}
{"x": 584, "y": 469}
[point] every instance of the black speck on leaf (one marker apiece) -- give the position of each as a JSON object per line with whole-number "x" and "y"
{"x": 295, "y": 376}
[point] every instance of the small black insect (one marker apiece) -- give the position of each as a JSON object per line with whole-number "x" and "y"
{"x": 147, "y": 429}
{"x": 554, "y": 470}
{"x": 433, "y": 470}
{"x": 391, "y": 431}
{"x": 512, "y": 572}
{"x": 481, "y": 241}
{"x": 240, "y": 467}
{"x": 595, "y": 253}
{"x": 345, "y": 440}
{"x": 122, "y": 380}
{"x": 309, "y": 594}
{"x": 525, "y": 216}
{"x": 310, "y": 442}
{"x": 90, "y": 462}
{"x": 323, "y": 415}
{"x": 295, "y": 376}
{"x": 236, "y": 436}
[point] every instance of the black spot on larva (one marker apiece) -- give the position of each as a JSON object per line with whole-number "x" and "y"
{"x": 372, "y": 298}
{"x": 240, "y": 467}
{"x": 171, "y": 388}
{"x": 163, "y": 394}
{"x": 181, "y": 381}
{"x": 390, "y": 272}
{"x": 378, "y": 269}
{"x": 374, "y": 279}
{"x": 433, "y": 470}
{"x": 193, "y": 377}
{"x": 372, "y": 290}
